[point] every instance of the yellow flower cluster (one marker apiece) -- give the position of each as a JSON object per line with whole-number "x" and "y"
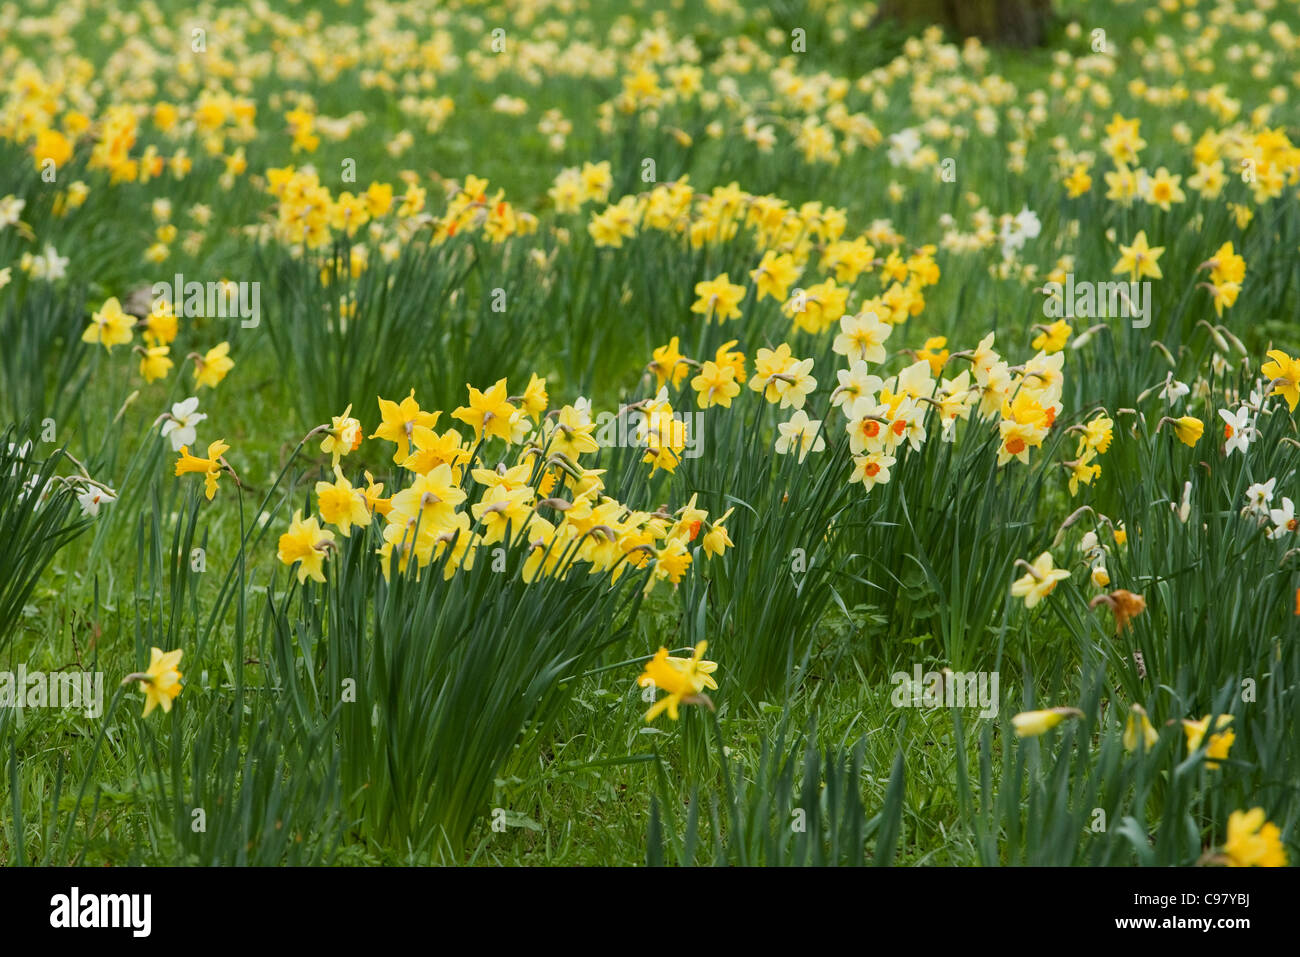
{"x": 307, "y": 214}
{"x": 458, "y": 506}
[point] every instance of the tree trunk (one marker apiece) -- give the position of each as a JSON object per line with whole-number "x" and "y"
{"x": 1015, "y": 23}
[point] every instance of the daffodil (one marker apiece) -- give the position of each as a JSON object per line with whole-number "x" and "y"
{"x": 161, "y": 681}
{"x": 179, "y": 424}
{"x": 774, "y": 275}
{"x": 800, "y": 435}
{"x": 1032, "y": 724}
{"x": 1283, "y": 374}
{"x": 1253, "y": 841}
{"x": 668, "y": 364}
{"x": 683, "y": 680}
{"x": 210, "y": 467}
{"x": 306, "y": 545}
{"x": 155, "y": 364}
{"x": 1040, "y": 579}
{"x": 862, "y": 337}
{"x": 488, "y": 413}
{"x": 398, "y": 422}
{"x": 718, "y": 298}
{"x": 1188, "y": 428}
{"x": 1221, "y": 738}
{"x": 1138, "y": 730}
{"x": 715, "y": 385}
{"x": 1139, "y": 259}
{"x": 211, "y": 367}
{"x": 716, "y": 540}
{"x": 109, "y": 326}
{"x": 342, "y": 436}
{"x": 342, "y": 505}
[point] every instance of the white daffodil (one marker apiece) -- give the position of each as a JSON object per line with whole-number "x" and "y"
{"x": 180, "y": 423}
{"x": 1283, "y": 519}
{"x": 1173, "y": 390}
{"x": 92, "y": 497}
{"x": 1239, "y": 429}
{"x": 801, "y": 435}
{"x": 1258, "y": 498}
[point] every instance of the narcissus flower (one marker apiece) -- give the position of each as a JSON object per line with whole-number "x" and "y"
{"x": 684, "y": 680}
{"x": 502, "y": 508}
{"x": 668, "y": 364}
{"x": 1031, "y": 724}
{"x": 1188, "y": 428}
{"x": 1253, "y": 841}
{"x": 718, "y": 298}
{"x": 1163, "y": 189}
{"x": 800, "y": 435}
{"x": 1139, "y": 259}
{"x": 399, "y": 420}
{"x": 179, "y": 424}
{"x": 535, "y": 399}
{"x": 211, "y": 367}
{"x": 1078, "y": 182}
{"x": 1052, "y": 338}
{"x": 862, "y": 337}
{"x": 155, "y": 364}
{"x": 872, "y": 469}
{"x": 1220, "y": 739}
{"x": 1283, "y": 374}
{"x": 1225, "y": 266}
{"x": 1082, "y": 470}
{"x": 92, "y": 497}
{"x": 488, "y": 413}
{"x": 716, "y": 540}
{"x": 161, "y": 681}
{"x": 1138, "y": 730}
{"x": 1238, "y": 430}
{"x": 110, "y": 326}
{"x": 715, "y": 385}
{"x": 1039, "y": 581}
{"x": 306, "y": 544}
{"x": 342, "y": 436}
{"x": 342, "y": 505}
{"x": 774, "y": 275}
{"x": 781, "y": 377}
{"x": 210, "y": 467}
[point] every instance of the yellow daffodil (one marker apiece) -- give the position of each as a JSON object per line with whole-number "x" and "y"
{"x": 488, "y": 413}
{"x": 1253, "y": 841}
{"x": 1221, "y": 738}
{"x": 161, "y": 681}
{"x": 684, "y": 680}
{"x": 211, "y": 367}
{"x": 398, "y": 422}
{"x": 1039, "y": 581}
{"x": 1031, "y": 724}
{"x": 210, "y": 467}
{"x": 306, "y": 544}
{"x": 1138, "y": 730}
{"x": 1139, "y": 260}
{"x": 1283, "y": 373}
{"x": 110, "y": 326}
{"x": 341, "y": 505}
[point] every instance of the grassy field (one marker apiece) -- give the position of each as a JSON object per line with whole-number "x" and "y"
{"x": 648, "y": 433}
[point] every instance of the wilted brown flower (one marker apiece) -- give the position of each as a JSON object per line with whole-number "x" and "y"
{"x": 1124, "y": 604}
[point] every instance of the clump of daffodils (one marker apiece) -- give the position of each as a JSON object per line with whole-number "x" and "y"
{"x": 515, "y": 479}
